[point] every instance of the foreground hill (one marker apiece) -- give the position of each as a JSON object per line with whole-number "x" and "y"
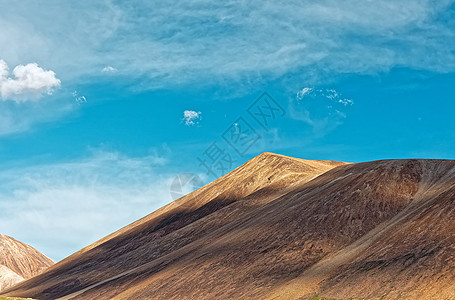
{"x": 280, "y": 228}
{"x": 19, "y": 261}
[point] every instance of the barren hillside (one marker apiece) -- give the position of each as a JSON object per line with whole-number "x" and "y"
{"x": 280, "y": 228}
{"x": 19, "y": 261}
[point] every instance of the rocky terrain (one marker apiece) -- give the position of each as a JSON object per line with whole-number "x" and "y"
{"x": 19, "y": 261}
{"x": 280, "y": 228}
{"x": 8, "y": 278}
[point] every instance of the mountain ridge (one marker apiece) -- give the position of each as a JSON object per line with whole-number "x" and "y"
{"x": 275, "y": 225}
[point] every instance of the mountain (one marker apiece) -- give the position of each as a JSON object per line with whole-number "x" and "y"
{"x": 19, "y": 261}
{"x": 280, "y": 228}
{"x": 8, "y": 278}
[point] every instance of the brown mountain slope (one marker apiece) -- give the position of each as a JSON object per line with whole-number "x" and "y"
{"x": 275, "y": 243}
{"x": 376, "y": 230}
{"x": 19, "y": 261}
{"x": 410, "y": 256}
{"x": 178, "y": 224}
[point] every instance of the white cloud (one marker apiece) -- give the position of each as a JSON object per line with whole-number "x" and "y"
{"x": 303, "y": 92}
{"x": 322, "y": 109}
{"x": 19, "y": 118}
{"x": 191, "y": 117}
{"x": 29, "y": 82}
{"x": 109, "y": 69}
{"x": 231, "y": 40}
{"x": 80, "y": 99}
{"x": 62, "y": 207}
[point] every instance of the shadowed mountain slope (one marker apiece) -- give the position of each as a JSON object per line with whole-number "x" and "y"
{"x": 19, "y": 261}
{"x": 274, "y": 229}
{"x": 182, "y": 222}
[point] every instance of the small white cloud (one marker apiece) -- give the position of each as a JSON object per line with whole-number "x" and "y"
{"x": 191, "y": 117}
{"x": 322, "y": 109}
{"x": 303, "y": 92}
{"x": 332, "y": 94}
{"x": 329, "y": 94}
{"x": 109, "y": 69}
{"x": 29, "y": 82}
{"x": 79, "y": 99}
{"x": 346, "y": 102}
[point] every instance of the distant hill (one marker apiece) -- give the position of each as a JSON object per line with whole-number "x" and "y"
{"x": 280, "y": 228}
{"x": 19, "y": 261}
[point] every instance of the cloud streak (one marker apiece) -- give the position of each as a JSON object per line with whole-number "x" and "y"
{"x": 166, "y": 43}
{"x": 62, "y": 207}
{"x": 16, "y": 118}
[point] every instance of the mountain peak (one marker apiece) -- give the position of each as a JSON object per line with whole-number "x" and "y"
{"x": 19, "y": 261}
{"x": 280, "y": 227}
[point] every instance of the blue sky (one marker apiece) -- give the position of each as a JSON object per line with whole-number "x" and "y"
{"x": 103, "y": 104}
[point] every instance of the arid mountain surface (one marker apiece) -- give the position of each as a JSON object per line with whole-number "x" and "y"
{"x": 280, "y": 228}
{"x": 19, "y": 261}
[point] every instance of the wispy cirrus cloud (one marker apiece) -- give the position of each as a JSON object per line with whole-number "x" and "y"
{"x": 16, "y": 117}
{"x": 167, "y": 43}
{"x": 156, "y": 44}
{"x": 62, "y": 207}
